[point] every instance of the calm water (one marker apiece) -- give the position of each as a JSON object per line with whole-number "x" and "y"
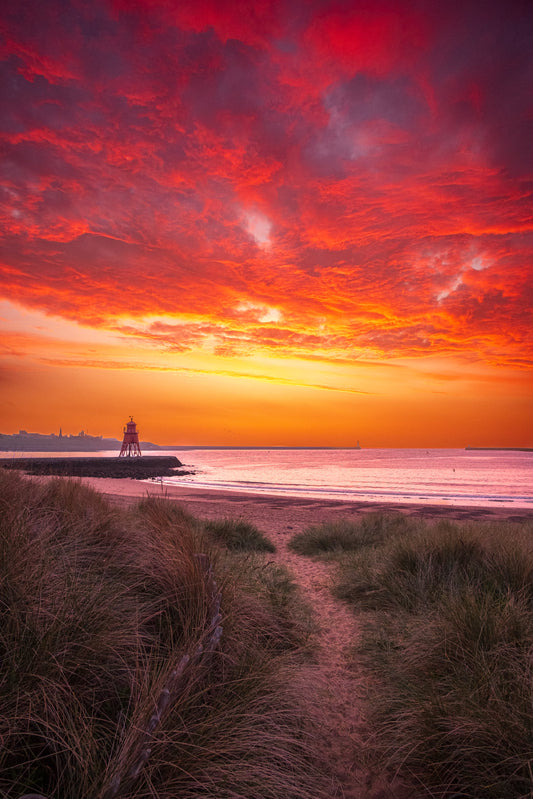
{"x": 436, "y": 476}
{"x": 455, "y": 477}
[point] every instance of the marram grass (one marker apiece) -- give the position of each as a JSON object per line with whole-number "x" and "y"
{"x": 336, "y": 538}
{"x": 97, "y": 608}
{"x": 239, "y": 535}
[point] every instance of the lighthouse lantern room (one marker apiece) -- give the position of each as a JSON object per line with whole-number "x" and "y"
{"x": 130, "y": 443}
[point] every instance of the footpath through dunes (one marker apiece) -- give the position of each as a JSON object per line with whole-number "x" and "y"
{"x": 339, "y": 688}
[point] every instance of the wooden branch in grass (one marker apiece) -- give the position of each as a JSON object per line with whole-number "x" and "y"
{"x": 137, "y": 756}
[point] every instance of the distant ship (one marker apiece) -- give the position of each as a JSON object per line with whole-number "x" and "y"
{"x": 357, "y": 446}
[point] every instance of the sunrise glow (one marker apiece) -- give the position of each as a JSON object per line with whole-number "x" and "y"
{"x": 268, "y": 223}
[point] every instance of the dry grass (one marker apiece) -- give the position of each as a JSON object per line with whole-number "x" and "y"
{"x": 334, "y": 539}
{"x": 239, "y": 535}
{"x": 97, "y": 607}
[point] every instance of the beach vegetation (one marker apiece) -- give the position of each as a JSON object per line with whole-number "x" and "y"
{"x": 284, "y": 619}
{"x": 447, "y": 618}
{"x": 437, "y": 561}
{"x": 348, "y": 535}
{"x": 239, "y": 535}
{"x": 135, "y": 663}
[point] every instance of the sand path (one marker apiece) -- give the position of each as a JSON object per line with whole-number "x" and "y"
{"x": 338, "y": 687}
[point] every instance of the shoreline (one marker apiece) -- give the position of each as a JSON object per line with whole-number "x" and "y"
{"x": 266, "y": 510}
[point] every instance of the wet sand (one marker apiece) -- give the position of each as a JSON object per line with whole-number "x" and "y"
{"x": 270, "y": 512}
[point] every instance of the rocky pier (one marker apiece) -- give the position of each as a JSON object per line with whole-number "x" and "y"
{"x": 140, "y": 468}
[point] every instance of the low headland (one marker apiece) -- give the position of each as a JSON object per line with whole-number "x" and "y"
{"x": 51, "y": 442}
{"x": 196, "y": 644}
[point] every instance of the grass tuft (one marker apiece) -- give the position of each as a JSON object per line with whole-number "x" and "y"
{"x": 418, "y": 570}
{"x": 453, "y": 706}
{"x": 238, "y": 535}
{"x": 347, "y": 535}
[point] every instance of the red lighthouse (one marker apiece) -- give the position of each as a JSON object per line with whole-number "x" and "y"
{"x": 130, "y": 443}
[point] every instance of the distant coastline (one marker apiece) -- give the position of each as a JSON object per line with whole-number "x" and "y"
{"x": 83, "y": 442}
{"x": 500, "y": 449}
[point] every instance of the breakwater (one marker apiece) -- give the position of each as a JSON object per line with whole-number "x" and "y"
{"x": 139, "y": 468}
{"x": 499, "y": 449}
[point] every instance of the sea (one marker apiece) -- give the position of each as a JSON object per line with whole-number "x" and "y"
{"x": 428, "y": 476}
{"x": 480, "y": 478}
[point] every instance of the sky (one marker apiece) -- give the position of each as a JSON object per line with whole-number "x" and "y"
{"x": 268, "y": 223}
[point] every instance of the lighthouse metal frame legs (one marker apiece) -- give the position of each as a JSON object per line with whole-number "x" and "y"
{"x": 129, "y": 449}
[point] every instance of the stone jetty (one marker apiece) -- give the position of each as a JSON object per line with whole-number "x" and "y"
{"x": 140, "y": 468}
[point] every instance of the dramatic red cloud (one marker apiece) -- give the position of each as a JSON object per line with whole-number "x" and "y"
{"x": 330, "y": 195}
